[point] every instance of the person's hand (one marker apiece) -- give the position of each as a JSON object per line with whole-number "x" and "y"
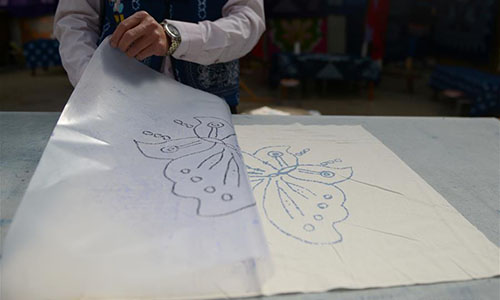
{"x": 140, "y": 36}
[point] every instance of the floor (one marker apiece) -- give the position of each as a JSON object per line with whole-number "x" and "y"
{"x": 49, "y": 91}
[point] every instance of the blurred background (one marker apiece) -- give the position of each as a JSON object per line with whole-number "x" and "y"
{"x": 329, "y": 57}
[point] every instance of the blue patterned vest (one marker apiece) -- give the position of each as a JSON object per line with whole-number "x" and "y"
{"x": 220, "y": 79}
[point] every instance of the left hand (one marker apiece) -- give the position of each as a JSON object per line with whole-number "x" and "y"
{"x": 140, "y": 36}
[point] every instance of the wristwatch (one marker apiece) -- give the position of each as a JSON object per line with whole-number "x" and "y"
{"x": 175, "y": 37}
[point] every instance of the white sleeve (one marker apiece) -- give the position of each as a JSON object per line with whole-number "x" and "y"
{"x": 223, "y": 40}
{"x": 77, "y": 27}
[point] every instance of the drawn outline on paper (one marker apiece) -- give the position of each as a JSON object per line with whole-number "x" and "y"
{"x": 293, "y": 197}
{"x": 207, "y": 167}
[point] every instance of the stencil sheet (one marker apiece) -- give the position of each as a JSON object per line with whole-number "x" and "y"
{"x": 141, "y": 193}
{"x": 340, "y": 210}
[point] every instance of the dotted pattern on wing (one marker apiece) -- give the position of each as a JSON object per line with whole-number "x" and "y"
{"x": 213, "y": 177}
{"x": 300, "y": 200}
{"x": 306, "y": 212}
{"x": 206, "y": 167}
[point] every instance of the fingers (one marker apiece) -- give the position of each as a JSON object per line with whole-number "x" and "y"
{"x": 130, "y": 37}
{"x": 140, "y": 36}
{"x": 147, "y": 52}
{"x": 127, "y": 25}
{"x": 147, "y": 46}
{"x": 139, "y": 45}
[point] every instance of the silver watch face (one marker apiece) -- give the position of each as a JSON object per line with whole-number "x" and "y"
{"x": 173, "y": 30}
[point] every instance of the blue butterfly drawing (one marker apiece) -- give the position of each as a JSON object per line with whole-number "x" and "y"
{"x": 302, "y": 201}
{"x": 207, "y": 167}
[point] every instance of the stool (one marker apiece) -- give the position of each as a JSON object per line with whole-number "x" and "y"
{"x": 286, "y": 84}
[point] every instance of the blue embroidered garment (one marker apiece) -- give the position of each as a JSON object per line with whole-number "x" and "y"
{"x": 221, "y": 79}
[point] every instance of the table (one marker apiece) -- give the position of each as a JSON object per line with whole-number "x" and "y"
{"x": 459, "y": 157}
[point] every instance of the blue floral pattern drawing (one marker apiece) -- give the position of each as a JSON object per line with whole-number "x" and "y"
{"x": 294, "y": 200}
{"x": 207, "y": 167}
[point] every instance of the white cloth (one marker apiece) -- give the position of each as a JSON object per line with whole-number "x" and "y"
{"x": 77, "y": 27}
{"x": 340, "y": 210}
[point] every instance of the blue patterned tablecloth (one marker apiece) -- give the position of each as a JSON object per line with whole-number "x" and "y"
{"x": 482, "y": 88}
{"x": 323, "y": 67}
{"x": 42, "y": 53}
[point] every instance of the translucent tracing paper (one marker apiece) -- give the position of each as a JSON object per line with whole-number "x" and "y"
{"x": 143, "y": 192}
{"x": 140, "y": 193}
